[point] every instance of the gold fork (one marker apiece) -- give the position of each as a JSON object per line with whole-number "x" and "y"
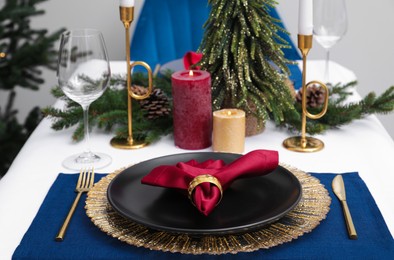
{"x": 85, "y": 182}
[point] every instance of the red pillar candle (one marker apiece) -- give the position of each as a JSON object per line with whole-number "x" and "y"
{"x": 192, "y": 109}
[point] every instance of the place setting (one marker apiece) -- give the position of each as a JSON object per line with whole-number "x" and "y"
{"x": 213, "y": 194}
{"x": 239, "y": 218}
{"x": 284, "y": 212}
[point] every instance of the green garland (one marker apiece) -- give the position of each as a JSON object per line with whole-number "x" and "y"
{"x": 340, "y": 112}
{"x": 109, "y": 112}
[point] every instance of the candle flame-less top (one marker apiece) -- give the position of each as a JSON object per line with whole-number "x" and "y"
{"x": 190, "y": 75}
{"x": 229, "y": 113}
{"x": 305, "y": 17}
{"x": 126, "y": 3}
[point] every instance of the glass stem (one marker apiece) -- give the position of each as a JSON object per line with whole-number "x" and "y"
{"x": 86, "y": 127}
{"x": 326, "y": 72}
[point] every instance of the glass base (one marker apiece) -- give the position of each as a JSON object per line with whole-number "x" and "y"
{"x": 86, "y": 160}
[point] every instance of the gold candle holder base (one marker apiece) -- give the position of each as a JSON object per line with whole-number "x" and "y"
{"x": 308, "y": 145}
{"x": 123, "y": 143}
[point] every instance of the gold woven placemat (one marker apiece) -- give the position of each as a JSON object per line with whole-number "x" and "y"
{"x": 312, "y": 208}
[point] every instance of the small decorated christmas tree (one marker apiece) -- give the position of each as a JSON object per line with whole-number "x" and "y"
{"x": 242, "y": 50}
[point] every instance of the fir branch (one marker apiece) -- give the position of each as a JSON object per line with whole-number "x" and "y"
{"x": 63, "y": 119}
{"x": 57, "y": 92}
{"x": 110, "y": 119}
{"x": 109, "y": 112}
{"x": 382, "y": 104}
{"x": 339, "y": 112}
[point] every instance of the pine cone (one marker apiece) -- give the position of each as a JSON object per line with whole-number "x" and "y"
{"x": 315, "y": 96}
{"x": 139, "y": 90}
{"x": 157, "y": 104}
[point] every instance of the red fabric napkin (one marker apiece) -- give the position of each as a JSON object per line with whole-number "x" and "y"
{"x": 207, "y": 195}
{"x": 191, "y": 58}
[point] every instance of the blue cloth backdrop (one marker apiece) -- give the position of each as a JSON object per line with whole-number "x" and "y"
{"x": 167, "y": 29}
{"x": 329, "y": 240}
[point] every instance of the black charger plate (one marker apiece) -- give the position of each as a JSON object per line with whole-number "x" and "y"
{"x": 248, "y": 204}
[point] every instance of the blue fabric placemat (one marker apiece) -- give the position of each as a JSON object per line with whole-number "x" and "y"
{"x": 329, "y": 240}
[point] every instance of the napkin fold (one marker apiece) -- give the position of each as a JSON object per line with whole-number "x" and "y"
{"x": 206, "y": 195}
{"x": 191, "y": 58}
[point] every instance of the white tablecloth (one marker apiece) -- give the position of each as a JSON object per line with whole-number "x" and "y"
{"x": 362, "y": 146}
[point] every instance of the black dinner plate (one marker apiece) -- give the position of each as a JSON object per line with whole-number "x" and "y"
{"x": 247, "y": 204}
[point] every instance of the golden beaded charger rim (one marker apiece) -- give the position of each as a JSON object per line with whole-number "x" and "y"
{"x": 310, "y": 211}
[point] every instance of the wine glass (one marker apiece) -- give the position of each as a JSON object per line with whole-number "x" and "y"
{"x": 83, "y": 74}
{"x": 329, "y": 25}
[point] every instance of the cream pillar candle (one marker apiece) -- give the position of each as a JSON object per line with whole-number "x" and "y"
{"x": 229, "y": 131}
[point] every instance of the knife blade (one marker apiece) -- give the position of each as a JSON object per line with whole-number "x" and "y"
{"x": 338, "y": 186}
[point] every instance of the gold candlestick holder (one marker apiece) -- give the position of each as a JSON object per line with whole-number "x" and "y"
{"x": 306, "y": 143}
{"x": 127, "y": 17}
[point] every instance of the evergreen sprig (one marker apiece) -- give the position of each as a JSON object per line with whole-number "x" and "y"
{"x": 109, "y": 112}
{"x": 341, "y": 112}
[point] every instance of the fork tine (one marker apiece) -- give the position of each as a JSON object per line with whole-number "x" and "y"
{"x": 91, "y": 178}
{"x": 87, "y": 179}
{"x": 80, "y": 178}
{"x": 83, "y": 179}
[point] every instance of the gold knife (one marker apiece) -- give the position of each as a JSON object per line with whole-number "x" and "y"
{"x": 338, "y": 187}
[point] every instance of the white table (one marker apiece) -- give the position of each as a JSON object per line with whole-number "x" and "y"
{"x": 362, "y": 146}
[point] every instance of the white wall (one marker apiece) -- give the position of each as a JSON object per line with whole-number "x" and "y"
{"x": 367, "y": 48}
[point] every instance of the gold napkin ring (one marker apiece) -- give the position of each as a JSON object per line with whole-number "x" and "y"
{"x": 201, "y": 179}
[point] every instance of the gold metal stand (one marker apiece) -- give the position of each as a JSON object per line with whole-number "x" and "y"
{"x": 127, "y": 16}
{"x": 303, "y": 143}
